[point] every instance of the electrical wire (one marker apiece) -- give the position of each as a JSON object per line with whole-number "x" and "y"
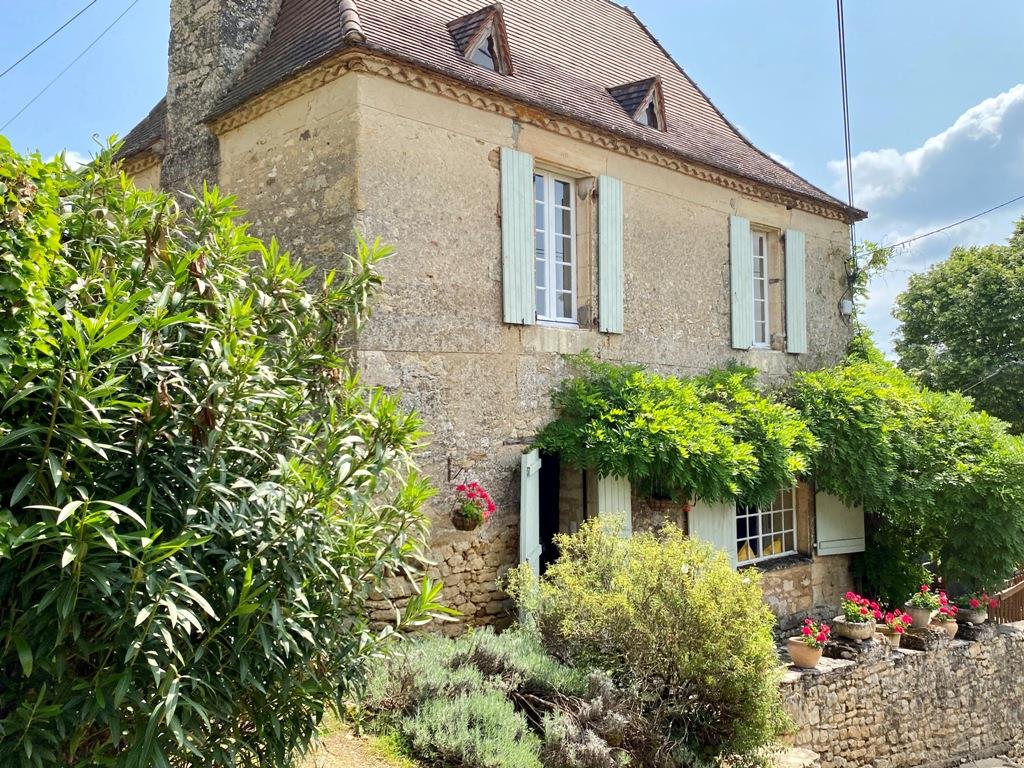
{"x": 841, "y": 23}
{"x": 987, "y": 211}
{"x": 69, "y": 66}
{"x": 49, "y": 37}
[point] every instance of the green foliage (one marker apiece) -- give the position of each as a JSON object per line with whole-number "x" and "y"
{"x": 670, "y": 619}
{"x": 499, "y": 701}
{"x": 714, "y": 437}
{"x": 196, "y": 497}
{"x": 962, "y": 326}
{"x": 944, "y": 479}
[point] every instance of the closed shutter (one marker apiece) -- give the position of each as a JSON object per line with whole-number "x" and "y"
{"x": 741, "y": 260}
{"x": 840, "y": 527}
{"x": 796, "y": 291}
{"x": 517, "y": 250}
{"x": 611, "y": 269}
{"x": 529, "y": 510}
{"x": 614, "y": 498}
{"x": 715, "y": 524}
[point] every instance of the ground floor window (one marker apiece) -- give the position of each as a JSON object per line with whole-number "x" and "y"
{"x": 766, "y": 532}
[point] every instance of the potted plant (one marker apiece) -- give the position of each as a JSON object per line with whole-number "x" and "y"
{"x": 805, "y": 649}
{"x": 974, "y": 607}
{"x": 945, "y": 619}
{"x": 894, "y": 625}
{"x": 858, "y": 619}
{"x": 922, "y": 606}
{"x": 473, "y": 506}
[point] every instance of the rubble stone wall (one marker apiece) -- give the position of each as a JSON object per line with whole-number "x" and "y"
{"x": 958, "y": 700}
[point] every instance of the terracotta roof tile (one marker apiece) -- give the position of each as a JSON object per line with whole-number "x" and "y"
{"x": 631, "y": 95}
{"x": 566, "y": 56}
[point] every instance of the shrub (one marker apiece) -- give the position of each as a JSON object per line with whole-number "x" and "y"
{"x": 196, "y": 498}
{"x": 501, "y": 701}
{"x": 715, "y": 437}
{"x": 670, "y": 619}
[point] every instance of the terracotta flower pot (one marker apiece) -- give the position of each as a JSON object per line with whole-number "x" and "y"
{"x": 892, "y": 638}
{"x": 919, "y": 617}
{"x": 949, "y": 627}
{"x": 853, "y": 630}
{"x": 802, "y": 654}
{"x": 972, "y": 616}
{"x": 463, "y": 522}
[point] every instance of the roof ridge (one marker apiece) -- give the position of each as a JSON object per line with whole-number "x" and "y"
{"x": 351, "y": 26}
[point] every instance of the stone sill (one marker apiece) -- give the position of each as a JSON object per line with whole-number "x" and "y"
{"x": 779, "y": 564}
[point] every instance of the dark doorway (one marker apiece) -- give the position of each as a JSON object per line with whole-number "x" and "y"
{"x": 550, "y": 471}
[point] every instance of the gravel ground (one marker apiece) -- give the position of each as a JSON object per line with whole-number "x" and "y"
{"x": 340, "y": 748}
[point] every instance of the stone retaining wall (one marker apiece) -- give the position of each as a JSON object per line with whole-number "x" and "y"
{"x": 890, "y": 709}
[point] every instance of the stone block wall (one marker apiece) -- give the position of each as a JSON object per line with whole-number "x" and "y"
{"x": 961, "y": 700}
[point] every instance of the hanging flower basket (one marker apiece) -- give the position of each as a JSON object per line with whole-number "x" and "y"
{"x": 473, "y": 507}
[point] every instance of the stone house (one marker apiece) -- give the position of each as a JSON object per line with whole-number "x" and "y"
{"x": 553, "y": 182}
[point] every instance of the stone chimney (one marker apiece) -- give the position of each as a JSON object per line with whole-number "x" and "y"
{"x": 211, "y": 42}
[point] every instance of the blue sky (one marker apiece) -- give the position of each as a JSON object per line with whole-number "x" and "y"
{"x": 936, "y": 97}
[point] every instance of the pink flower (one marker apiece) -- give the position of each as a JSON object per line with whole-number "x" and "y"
{"x": 851, "y": 596}
{"x": 925, "y": 588}
{"x": 975, "y": 603}
{"x": 906, "y": 618}
{"x": 993, "y": 603}
{"x": 863, "y": 611}
{"x": 807, "y": 631}
{"x": 821, "y": 637}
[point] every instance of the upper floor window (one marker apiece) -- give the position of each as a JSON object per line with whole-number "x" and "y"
{"x": 762, "y": 323}
{"x": 555, "y": 248}
{"x": 486, "y": 53}
{"x": 765, "y": 533}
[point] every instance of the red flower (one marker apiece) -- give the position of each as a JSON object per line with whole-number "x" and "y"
{"x": 849, "y": 596}
{"x": 906, "y": 618}
{"x": 807, "y": 630}
{"x": 821, "y": 637}
{"x": 925, "y": 588}
{"x": 993, "y": 603}
{"x": 863, "y": 611}
{"x": 975, "y": 603}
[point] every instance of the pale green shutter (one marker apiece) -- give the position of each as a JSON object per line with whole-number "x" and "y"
{"x": 614, "y": 498}
{"x": 796, "y": 291}
{"x": 529, "y": 510}
{"x": 741, "y": 260}
{"x": 611, "y": 270}
{"x": 840, "y": 527}
{"x": 517, "y": 237}
{"x": 716, "y": 524}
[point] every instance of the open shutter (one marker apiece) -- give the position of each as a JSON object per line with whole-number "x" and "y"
{"x": 741, "y": 260}
{"x": 614, "y": 498}
{"x": 529, "y": 510}
{"x": 611, "y": 271}
{"x": 796, "y": 291}
{"x": 840, "y": 527}
{"x": 715, "y": 524}
{"x": 517, "y": 253}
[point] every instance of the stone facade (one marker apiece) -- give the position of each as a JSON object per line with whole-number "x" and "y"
{"x": 960, "y": 700}
{"x": 362, "y": 144}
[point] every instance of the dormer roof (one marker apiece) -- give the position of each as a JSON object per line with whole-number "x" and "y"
{"x": 643, "y": 101}
{"x": 484, "y": 31}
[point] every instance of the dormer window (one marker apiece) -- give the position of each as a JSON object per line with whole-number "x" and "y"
{"x": 485, "y": 54}
{"x": 481, "y": 39}
{"x": 642, "y": 101}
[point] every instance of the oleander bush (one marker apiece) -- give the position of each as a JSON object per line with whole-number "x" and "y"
{"x": 675, "y": 626}
{"x": 197, "y": 498}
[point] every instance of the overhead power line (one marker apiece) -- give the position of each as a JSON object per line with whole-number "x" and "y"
{"x": 74, "y": 61}
{"x": 49, "y": 37}
{"x": 841, "y": 22}
{"x": 987, "y": 211}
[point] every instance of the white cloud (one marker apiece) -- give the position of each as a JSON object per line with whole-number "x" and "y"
{"x": 976, "y": 163}
{"x": 75, "y": 159}
{"x": 783, "y": 161}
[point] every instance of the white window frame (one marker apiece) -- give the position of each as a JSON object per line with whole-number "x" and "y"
{"x": 548, "y": 314}
{"x": 750, "y": 512}
{"x": 760, "y": 236}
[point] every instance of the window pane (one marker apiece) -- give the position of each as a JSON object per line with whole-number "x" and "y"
{"x": 562, "y": 194}
{"x": 564, "y": 222}
{"x": 541, "y": 271}
{"x": 539, "y": 245}
{"x": 485, "y": 55}
{"x": 741, "y": 527}
{"x": 565, "y": 305}
{"x": 790, "y": 546}
{"x": 538, "y": 187}
{"x": 564, "y": 277}
{"x": 777, "y": 524}
{"x": 542, "y": 301}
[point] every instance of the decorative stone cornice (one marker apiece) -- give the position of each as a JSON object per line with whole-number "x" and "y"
{"x": 360, "y": 60}
{"x": 143, "y": 161}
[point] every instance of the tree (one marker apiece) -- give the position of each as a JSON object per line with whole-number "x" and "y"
{"x": 962, "y": 327}
{"x": 197, "y": 498}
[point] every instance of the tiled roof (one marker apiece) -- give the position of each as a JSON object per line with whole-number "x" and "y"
{"x": 566, "y": 56}
{"x": 147, "y": 133}
{"x": 464, "y": 28}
